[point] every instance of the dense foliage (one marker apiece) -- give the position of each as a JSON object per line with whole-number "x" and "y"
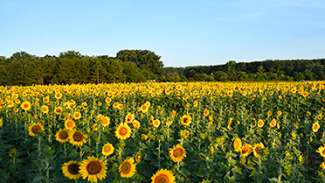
{"x": 163, "y": 132}
{"x": 143, "y": 65}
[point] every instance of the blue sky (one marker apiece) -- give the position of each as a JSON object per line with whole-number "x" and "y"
{"x": 183, "y": 32}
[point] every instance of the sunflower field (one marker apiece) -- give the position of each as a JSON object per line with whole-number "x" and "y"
{"x": 163, "y": 132}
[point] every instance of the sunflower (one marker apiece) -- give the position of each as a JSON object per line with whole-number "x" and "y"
{"x": 237, "y": 144}
{"x": 58, "y": 95}
{"x": 69, "y": 124}
{"x": 76, "y": 115}
{"x": 93, "y": 169}
{"x": 123, "y": 131}
{"x": 315, "y": 127}
{"x": 136, "y": 124}
{"x": 35, "y": 129}
{"x": 206, "y": 112}
{"x": 108, "y": 100}
{"x": 107, "y": 149}
{"x": 10, "y": 103}
{"x": 177, "y": 153}
{"x": 137, "y": 157}
{"x": 127, "y": 168}
{"x": 104, "y": 120}
{"x": 273, "y": 123}
{"x": 186, "y": 120}
{"x": 44, "y": 109}
{"x": 184, "y": 134}
{"x": 62, "y": 135}
{"x": 26, "y": 106}
{"x": 246, "y": 150}
{"x": 144, "y": 108}
{"x": 77, "y": 138}
{"x": 321, "y": 151}
{"x": 156, "y": 123}
{"x": 174, "y": 113}
{"x": 168, "y": 122}
{"x": 46, "y": 99}
{"x": 257, "y": 148}
{"x": 70, "y": 170}
{"x": 322, "y": 165}
{"x": 129, "y": 118}
{"x": 163, "y": 176}
{"x": 260, "y": 123}
{"x": 58, "y": 110}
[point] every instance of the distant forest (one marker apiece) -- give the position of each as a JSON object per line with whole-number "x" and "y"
{"x": 144, "y": 65}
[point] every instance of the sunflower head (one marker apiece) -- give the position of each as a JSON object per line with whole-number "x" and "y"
{"x": 58, "y": 95}
{"x": 163, "y": 176}
{"x": 246, "y": 150}
{"x": 105, "y": 121}
{"x": 44, "y": 109}
{"x": 186, "y": 120}
{"x": 129, "y": 118}
{"x": 260, "y": 123}
{"x": 237, "y": 144}
{"x": 69, "y": 124}
{"x": 58, "y": 110}
{"x": 315, "y": 127}
{"x": 77, "y": 138}
{"x": 321, "y": 151}
{"x": 107, "y": 149}
{"x": 322, "y": 165}
{"x": 273, "y": 123}
{"x": 257, "y": 148}
{"x": 137, "y": 157}
{"x": 184, "y": 134}
{"x": 26, "y": 106}
{"x": 46, "y": 99}
{"x": 76, "y": 115}
{"x": 35, "y": 129}
{"x": 62, "y": 135}
{"x": 206, "y": 112}
{"x": 93, "y": 169}
{"x": 136, "y": 124}
{"x": 71, "y": 170}
{"x": 123, "y": 131}
{"x": 156, "y": 123}
{"x": 127, "y": 168}
{"x": 177, "y": 153}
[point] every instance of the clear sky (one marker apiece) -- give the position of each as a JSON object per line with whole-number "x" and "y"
{"x": 183, "y": 32}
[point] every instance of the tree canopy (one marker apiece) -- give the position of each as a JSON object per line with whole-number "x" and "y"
{"x": 144, "y": 65}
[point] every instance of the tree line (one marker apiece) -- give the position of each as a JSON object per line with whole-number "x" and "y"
{"x": 143, "y": 65}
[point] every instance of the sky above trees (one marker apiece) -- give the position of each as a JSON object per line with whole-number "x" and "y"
{"x": 184, "y": 32}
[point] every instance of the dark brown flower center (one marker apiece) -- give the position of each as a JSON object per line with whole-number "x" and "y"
{"x": 126, "y": 167}
{"x": 94, "y": 167}
{"x": 162, "y": 179}
{"x": 36, "y": 129}
{"x": 78, "y": 137}
{"x": 178, "y": 152}
{"x": 73, "y": 168}
{"x": 246, "y": 149}
{"x": 257, "y": 150}
{"x": 63, "y": 135}
{"x": 185, "y": 120}
{"x": 123, "y": 131}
